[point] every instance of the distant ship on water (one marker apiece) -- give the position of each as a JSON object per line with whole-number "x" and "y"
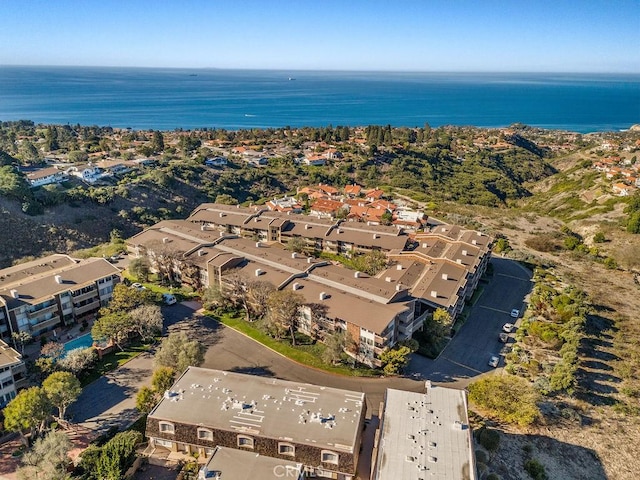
{"x": 291, "y": 78}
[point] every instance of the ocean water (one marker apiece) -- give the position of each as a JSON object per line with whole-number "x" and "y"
{"x": 233, "y": 99}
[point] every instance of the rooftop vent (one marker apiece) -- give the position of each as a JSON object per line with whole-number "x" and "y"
{"x": 258, "y": 245}
{"x": 464, "y": 253}
{"x": 58, "y": 279}
{"x": 434, "y": 293}
{"x": 294, "y": 255}
{"x": 445, "y": 276}
{"x": 356, "y": 274}
{"x": 258, "y": 272}
{"x": 459, "y": 261}
{"x": 339, "y": 230}
{"x": 387, "y": 279}
{"x": 433, "y": 459}
{"x": 474, "y": 242}
{"x": 323, "y": 295}
{"x": 203, "y": 227}
{"x": 296, "y": 286}
{"x": 399, "y": 287}
{"x": 256, "y": 220}
{"x": 165, "y": 240}
{"x": 222, "y": 214}
{"x": 15, "y": 294}
{"x": 307, "y": 226}
{"x": 201, "y": 252}
{"x": 375, "y": 235}
{"x": 309, "y": 260}
{"x": 399, "y": 267}
{"x": 424, "y": 245}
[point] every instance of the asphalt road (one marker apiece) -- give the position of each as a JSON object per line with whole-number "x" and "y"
{"x": 111, "y": 400}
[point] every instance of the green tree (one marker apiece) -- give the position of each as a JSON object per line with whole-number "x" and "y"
{"x": 162, "y": 379}
{"x": 13, "y": 184}
{"x": 29, "y": 410}
{"x": 295, "y": 244}
{"x": 147, "y": 321}
{"x": 125, "y": 299}
{"x": 394, "y": 360}
{"x": 157, "y": 142}
{"x": 48, "y": 459}
{"x": 599, "y": 237}
{"x": 139, "y": 268}
{"x": 178, "y": 352}
{"x": 283, "y": 309}
{"x": 511, "y": 399}
{"x": 226, "y": 199}
{"x": 146, "y": 399}
{"x": 335, "y": 346}
{"x": 21, "y": 337}
{"x": 117, "y": 455}
{"x": 115, "y": 327}
{"x": 62, "y": 389}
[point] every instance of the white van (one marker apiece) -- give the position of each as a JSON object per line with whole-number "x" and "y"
{"x": 168, "y": 299}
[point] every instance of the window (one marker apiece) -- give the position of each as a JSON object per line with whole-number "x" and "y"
{"x": 329, "y": 457}
{"x": 286, "y": 449}
{"x": 204, "y": 434}
{"x": 164, "y": 443}
{"x": 244, "y": 441}
{"x": 167, "y": 427}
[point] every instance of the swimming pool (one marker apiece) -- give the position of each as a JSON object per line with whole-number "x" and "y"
{"x": 85, "y": 341}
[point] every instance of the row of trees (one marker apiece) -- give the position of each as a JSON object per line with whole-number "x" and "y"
{"x": 32, "y": 408}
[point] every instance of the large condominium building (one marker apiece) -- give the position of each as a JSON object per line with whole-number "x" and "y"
{"x": 317, "y": 427}
{"x": 42, "y": 294}
{"x": 425, "y": 271}
{"x": 12, "y": 373}
{"x": 423, "y": 436}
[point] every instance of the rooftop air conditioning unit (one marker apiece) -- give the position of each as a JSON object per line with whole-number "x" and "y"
{"x": 459, "y": 260}
{"x": 424, "y": 245}
{"x": 323, "y": 295}
{"x": 464, "y": 253}
{"x": 399, "y": 267}
{"x": 474, "y": 242}
{"x": 445, "y": 276}
{"x": 434, "y": 293}
{"x": 399, "y": 287}
{"x": 294, "y": 255}
{"x": 15, "y": 294}
{"x": 258, "y": 272}
{"x": 387, "y": 279}
{"x": 356, "y": 274}
{"x": 58, "y": 279}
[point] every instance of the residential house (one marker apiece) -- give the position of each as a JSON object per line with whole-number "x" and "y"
{"x": 324, "y": 208}
{"x": 424, "y": 435}
{"x": 373, "y": 195}
{"x": 45, "y": 176}
{"x": 622, "y": 189}
{"x": 40, "y": 295}
{"x": 12, "y": 373}
{"x": 318, "y": 427}
{"x": 352, "y": 191}
{"x": 284, "y": 204}
{"x": 314, "y": 160}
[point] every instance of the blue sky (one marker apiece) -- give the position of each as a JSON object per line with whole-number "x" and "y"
{"x": 401, "y": 35}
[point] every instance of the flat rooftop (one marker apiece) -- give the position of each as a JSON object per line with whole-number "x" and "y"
{"x": 242, "y": 465}
{"x": 425, "y": 436}
{"x": 8, "y": 356}
{"x": 290, "y": 411}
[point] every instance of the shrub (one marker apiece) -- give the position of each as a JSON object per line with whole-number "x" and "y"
{"x": 509, "y": 398}
{"x": 535, "y": 469}
{"x": 489, "y": 439}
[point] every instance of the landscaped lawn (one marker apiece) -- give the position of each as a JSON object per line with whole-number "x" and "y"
{"x": 306, "y": 354}
{"x": 111, "y": 361}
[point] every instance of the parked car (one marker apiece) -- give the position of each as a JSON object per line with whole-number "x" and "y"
{"x": 138, "y": 286}
{"x": 494, "y": 361}
{"x": 508, "y": 327}
{"x": 515, "y": 313}
{"x": 168, "y": 299}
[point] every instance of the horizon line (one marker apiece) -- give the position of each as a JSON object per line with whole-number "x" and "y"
{"x": 336, "y": 70}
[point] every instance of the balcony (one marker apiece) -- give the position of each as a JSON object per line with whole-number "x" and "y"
{"x": 37, "y": 327}
{"x": 50, "y": 309}
{"x": 84, "y": 296}
{"x": 87, "y": 308}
